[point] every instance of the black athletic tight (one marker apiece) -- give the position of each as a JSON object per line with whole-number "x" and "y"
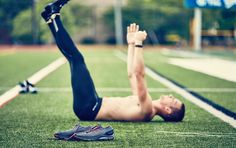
{"x": 86, "y": 102}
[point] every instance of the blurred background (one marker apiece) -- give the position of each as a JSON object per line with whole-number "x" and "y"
{"x": 168, "y": 22}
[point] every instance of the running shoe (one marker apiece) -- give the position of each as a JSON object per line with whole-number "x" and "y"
{"x": 45, "y": 16}
{"x": 23, "y": 87}
{"x": 31, "y": 88}
{"x": 55, "y": 7}
{"x": 67, "y": 135}
{"x": 97, "y": 133}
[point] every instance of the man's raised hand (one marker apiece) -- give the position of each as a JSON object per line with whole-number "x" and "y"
{"x": 131, "y": 30}
{"x": 140, "y": 36}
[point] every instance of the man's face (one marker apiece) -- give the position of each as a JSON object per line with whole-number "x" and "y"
{"x": 170, "y": 101}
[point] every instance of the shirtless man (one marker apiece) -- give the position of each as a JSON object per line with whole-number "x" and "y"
{"x": 87, "y": 104}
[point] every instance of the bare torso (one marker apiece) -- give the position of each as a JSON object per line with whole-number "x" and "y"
{"x": 122, "y": 109}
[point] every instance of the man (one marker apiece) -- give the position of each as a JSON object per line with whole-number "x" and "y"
{"x": 86, "y": 103}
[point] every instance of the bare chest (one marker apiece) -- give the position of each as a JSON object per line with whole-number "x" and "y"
{"x": 120, "y": 108}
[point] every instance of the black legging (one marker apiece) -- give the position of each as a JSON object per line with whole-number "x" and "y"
{"x": 86, "y": 102}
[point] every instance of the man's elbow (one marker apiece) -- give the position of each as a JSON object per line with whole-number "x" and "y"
{"x": 142, "y": 94}
{"x": 139, "y": 73}
{"x": 130, "y": 74}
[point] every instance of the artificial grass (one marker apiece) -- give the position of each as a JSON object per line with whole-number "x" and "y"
{"x": 29, "y": 120}
{"x": 193, "y": 79}
{"x": 20, "y": 65}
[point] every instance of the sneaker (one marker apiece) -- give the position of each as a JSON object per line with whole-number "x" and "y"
{"x": 96, "y": 133}
{"x": 55, "y": 7}
{"x": 31, "y": 88}
{"x": 68, "y": 134}
{"x": 45, "y": 16}
{"x": 23, "y": 87}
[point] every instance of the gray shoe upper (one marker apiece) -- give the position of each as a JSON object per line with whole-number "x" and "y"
{"x": 96, "y": 133}
{"x": 68, "y": 133}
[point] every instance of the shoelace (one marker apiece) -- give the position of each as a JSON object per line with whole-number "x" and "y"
{"x": 76, "y": 126}
{"x": 94, "y": 128}
{"x": 90, "y": 130}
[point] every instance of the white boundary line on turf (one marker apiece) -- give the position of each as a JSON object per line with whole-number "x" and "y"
{"x": 185, "y": 94}
{"x": 14, "y": 92}
{"x": 198, "y": 134}
{"x": 127, "y": 89}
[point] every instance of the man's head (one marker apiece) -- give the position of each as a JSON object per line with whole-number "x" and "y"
{"x": 171, "y": 109}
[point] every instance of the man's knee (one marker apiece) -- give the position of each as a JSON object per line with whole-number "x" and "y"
{"x": 78, "y": 57}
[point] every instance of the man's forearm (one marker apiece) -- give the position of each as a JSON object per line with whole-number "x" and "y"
{"x": 139, "y": 68}
{"x": 138, "y": 58}
{"x": 130, "y": 58}
{"x": 130, "y": 68}
{"x": 140, "y": 71}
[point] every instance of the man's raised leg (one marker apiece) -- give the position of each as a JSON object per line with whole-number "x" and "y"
{"x": 86, "y": 99}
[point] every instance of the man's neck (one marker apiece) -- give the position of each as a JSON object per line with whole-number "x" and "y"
{"x": 156, "y": 107}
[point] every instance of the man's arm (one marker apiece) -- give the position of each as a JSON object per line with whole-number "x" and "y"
{"x": 139, "y": 71}
{"x": 131, "y": 30}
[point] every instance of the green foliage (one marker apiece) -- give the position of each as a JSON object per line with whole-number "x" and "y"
{"x": 22, "y": 28}
{"x": 166, "y": 17}
{"x": 162, "y": 17}
{"x": 8, "y": 10}
{"x": 70, "y": 17}
{"x": 221, "y": 19}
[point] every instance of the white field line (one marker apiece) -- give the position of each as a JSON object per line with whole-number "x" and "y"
{"x": 12, "y": 93}
{"x": 185, "y": 94}
{"x": 184, "y": 54}
{"x": 223, "y": 69}
{"x": 124, "y": 89}
{"x": 198, "y": 134}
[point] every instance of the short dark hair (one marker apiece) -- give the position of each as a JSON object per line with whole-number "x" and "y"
{"x": 176, "y": 115}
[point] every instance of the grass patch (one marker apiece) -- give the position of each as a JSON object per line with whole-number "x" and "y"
{"x": 29, "y": 120}
{"x": 192, "y": 79}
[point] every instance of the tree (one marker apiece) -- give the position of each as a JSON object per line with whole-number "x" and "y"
{"x": 161, "y": 17}
{"x": 22, "y": 34}
{"x": 8, "y": 11}
{"x": 169, "y": 18}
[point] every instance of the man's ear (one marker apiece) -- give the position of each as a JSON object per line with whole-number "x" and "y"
{"x": 167, "y": 110}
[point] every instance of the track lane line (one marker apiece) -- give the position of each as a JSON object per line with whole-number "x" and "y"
{"x": 127, "y": 89}
{"x": 35, "y": 78}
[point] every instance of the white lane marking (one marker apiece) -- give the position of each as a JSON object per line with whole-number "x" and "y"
{"x": 197, "y": 134}
{"x": 185, "y": 94}
{"x": 223, "y": 69}
{"x": 12, "y": 93}
{"x": 183, "y": 54}
{"x": 105, "y": 89}
{"x": 127, "y": 89}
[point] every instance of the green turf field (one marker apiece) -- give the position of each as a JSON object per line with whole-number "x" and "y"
{"x": 30, "y": 120}
{"x": 192, "y": 79}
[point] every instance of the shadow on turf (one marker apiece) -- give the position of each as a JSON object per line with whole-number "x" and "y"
{"x": 55, "y": 139}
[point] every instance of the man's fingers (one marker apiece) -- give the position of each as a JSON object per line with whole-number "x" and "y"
{"x": 132, "y": 27}
{"x": 137, "y": 28}
{"x": 145, "y": 32}
{"x": 128, "y": 30}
